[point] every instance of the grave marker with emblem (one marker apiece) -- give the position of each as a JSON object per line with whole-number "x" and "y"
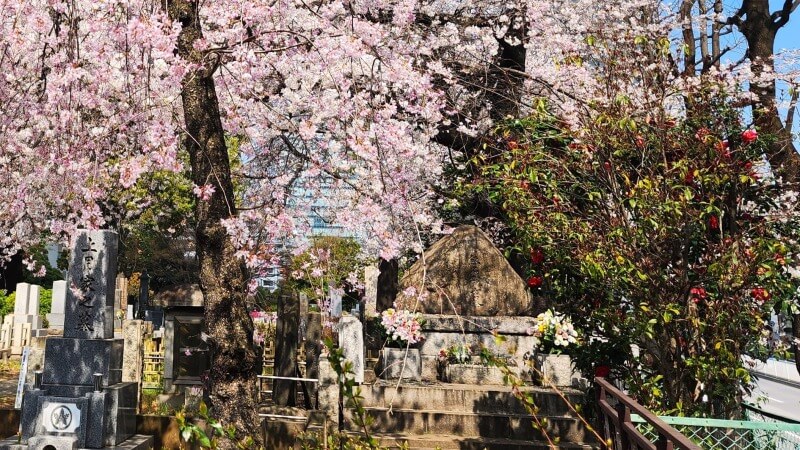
{"x": 79, "y": 399}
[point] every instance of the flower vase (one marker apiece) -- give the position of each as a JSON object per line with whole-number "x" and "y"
{"x": 397, "y": 364}
{"x": 555, "y": 370}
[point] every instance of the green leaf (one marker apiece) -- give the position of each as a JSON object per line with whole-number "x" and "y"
{"x": 204, "y": 441}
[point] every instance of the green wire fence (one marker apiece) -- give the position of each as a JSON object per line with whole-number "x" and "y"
{"x": 760, "y": 432}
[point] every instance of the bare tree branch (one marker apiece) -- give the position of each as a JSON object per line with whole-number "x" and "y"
{"x": 781, "y": 18}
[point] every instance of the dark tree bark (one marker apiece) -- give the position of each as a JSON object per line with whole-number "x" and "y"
{"x": 388, "y": 284}
{"x": 222, "y": 274}
{"x": 759, "y": 27}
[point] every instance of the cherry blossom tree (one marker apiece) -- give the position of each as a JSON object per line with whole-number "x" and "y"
{"x": 361, "y": 101}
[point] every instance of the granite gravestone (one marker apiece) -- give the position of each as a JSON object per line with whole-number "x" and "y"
{"x": 79, "y": 399}
{"x": 24, "y": 321}
{"x": 351, "y": 341}
{"x": 371, "y": 273}
{"x": 57, "y": 307}
{"x": 335, "y": 296}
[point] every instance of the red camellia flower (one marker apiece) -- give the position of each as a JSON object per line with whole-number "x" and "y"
{"x": 602, "y": 371}
{"x": 535, "y": 281}
{"x": 760, "y": 294}
{"x": 537, "y": 255}
{"x": 749, "y": 136}
{"x": 723, "y": 148}
{"x": 698, "y": 294}
{"x": 713, "y": 223}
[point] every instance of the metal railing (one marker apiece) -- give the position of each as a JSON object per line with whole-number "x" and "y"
{"x": 620, "y": 433}
{"x": 309, "y": 396}
{"x": 720, "y": 434}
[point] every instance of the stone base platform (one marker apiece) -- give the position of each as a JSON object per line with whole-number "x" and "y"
{"x": 135, "y": 442}
{"x": 443, "y": 331}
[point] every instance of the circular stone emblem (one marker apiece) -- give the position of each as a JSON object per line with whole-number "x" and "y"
{"x": 61, "y": 418}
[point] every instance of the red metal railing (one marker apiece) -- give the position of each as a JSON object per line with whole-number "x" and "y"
{"x": 619, "y": 433}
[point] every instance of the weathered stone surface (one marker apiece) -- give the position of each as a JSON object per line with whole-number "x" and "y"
{"x": 21, "y": 299}
{"x": 57, "y": 308}
{"x": 556, "y": 370}
{"x": 467, "y": 275}
{"x": 74, "y": 361}
{"x": 371, "y": 291}
{"x": 93, "y": 273}
{"x": 133, "y": 332}
{"x": 503, "y": 325}
{"x": 474, "y": 374}
{"x": 401, "y": 363}
{"x": 351, "y": 341}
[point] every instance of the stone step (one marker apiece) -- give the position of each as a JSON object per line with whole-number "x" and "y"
{"x": 468, "y": 398}
{"x": 454, "y": 442}
{"x": 511, "y": 426}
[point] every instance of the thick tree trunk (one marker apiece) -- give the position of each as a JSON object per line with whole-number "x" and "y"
{"x": 759, "y": 29}
{"x": 222, "y": 275}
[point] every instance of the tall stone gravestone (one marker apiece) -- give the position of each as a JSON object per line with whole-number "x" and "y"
{"x": 57, "y": 307}
{"x": 27, "y": 298}
{"x": 371, "y": 273}
{"x": 351, "y": 341}
{"x": 79, "y": 400}
{"x": 33, "y": 316}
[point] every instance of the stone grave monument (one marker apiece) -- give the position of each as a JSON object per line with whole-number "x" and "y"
{"x": 371, "y": 273}
{"x": 25, "y": 321}
{"x": 351, "y": 341}
{"x": 57, "y": 308}
{"x": 79, "y": 399}
{"x": 472, "y": 291}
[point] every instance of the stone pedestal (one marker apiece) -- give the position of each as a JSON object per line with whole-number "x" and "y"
{"x": 555, "y": 370}
{"x": 444, "y": 331}
{"x": 396, "y": 363}
{"x": 474, "y": 374}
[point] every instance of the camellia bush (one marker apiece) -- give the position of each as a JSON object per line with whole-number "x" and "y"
{"x": 666, "y": 241}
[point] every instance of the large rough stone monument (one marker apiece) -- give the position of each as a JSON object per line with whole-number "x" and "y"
{"x": 473, "y": 293}
{"x": 79, "y": 399}
{"x": 466, "y": 275}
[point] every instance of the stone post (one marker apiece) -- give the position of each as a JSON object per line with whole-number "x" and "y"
{"x": 328, "y": 394}
{"x": 371, "y": 291}
{"x": 33, "y": 318}
{"x": 19, "y": 334}
{"x": 57, "y": 308}
{"x": 351, "y": 341}
{"x": 284, "y": 391}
